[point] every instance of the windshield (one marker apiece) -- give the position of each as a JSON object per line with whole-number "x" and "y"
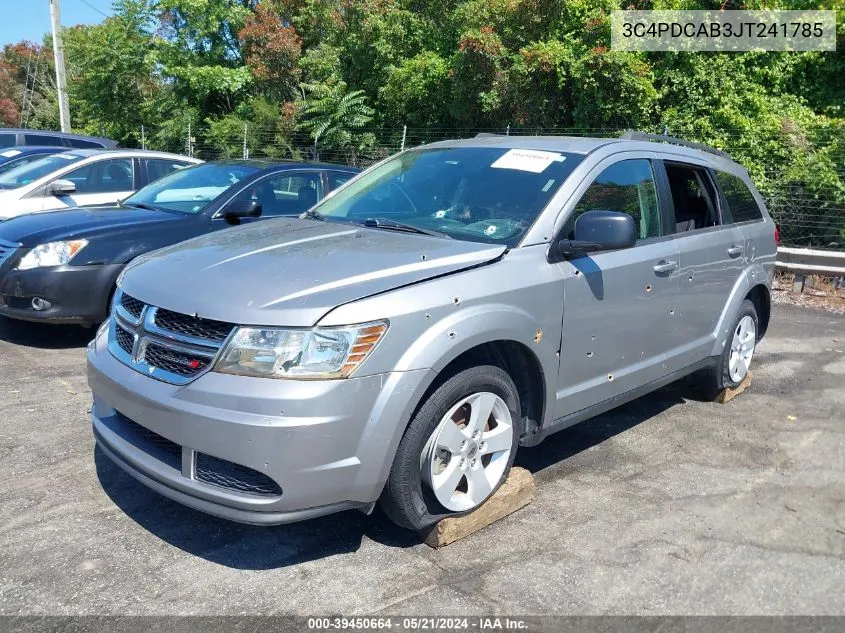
{"x": 25, "y": 174}
{"x": 192, "y": 189}
{"x": 479, "y": 194}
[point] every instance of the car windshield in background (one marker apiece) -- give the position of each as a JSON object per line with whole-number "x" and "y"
{"x": 192, "y": 189}
{"x": 480, "y": 194}
{"x": 25, "y": 174}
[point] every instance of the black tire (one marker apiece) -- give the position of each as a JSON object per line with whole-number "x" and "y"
{"x": 406, "y": 499}
{"x": 718, "y": 377}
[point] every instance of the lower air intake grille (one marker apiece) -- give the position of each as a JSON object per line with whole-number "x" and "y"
{"x": 225, "y": 474}
{"x": 152, "y": 443}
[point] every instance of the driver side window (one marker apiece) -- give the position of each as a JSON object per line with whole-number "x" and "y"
{"x": 107, "y": 176}
{"x": 627, "y": 186}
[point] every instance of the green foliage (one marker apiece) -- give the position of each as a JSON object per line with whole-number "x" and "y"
{"x": 111, "y": 78}
{"x": 259, "y": 124}
{"x": 335, "y": 117}
{"x": 416, "y": 91}
{"x": 335, "y": 70}
{"x": 613, "y": 89}
{"x": 198, "y": 50}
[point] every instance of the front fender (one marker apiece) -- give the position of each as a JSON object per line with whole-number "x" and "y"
{"x": 459, "y": 332}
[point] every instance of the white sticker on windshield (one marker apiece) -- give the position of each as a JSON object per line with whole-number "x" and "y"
{"x": 531, "y": 160}
{"x": 68, "y": 156}
{"x": 10, "y": 152}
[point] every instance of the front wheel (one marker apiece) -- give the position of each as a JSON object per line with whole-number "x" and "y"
{"x": 457, "y": 450}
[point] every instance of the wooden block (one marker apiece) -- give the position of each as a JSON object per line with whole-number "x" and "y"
{"x": 726, "y": 395}
{"x": 517, "y": 492}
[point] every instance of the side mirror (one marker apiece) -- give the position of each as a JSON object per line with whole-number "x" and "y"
{"x": 61, "y": 188}
{"x": 238, "y": 209}
{"x": 598, "y": 231}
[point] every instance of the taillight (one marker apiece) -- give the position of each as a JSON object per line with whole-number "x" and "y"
{"x": 777, "y": 235}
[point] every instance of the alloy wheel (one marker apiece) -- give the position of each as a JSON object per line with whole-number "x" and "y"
{"x": 742, "y": 348}
{"x": 466, "y": 456}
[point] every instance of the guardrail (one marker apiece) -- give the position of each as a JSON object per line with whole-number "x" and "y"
{"x": 806, "y": 261}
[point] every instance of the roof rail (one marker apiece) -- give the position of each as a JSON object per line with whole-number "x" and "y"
{"x": 633, "y": 135}
{"x": 488, "y": 135}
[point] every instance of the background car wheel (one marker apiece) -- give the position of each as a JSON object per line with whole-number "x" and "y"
{"x": 739, "y": 350}
{"x": 457, "y": 450}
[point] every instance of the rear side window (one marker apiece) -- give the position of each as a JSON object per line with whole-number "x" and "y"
{"x": 42, "y": 139}
{"x": 287, "y": 194}
{"x": 83, "y": 144}
{"x": 742, "y": 206}
{"x": 692, "y": 196}
{"x": 627, "y": 186}
{"x": 337, "y": 178}
{"x": 7, "y": 140}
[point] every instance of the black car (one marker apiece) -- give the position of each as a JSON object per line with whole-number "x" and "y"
{"x": 19, "y": 156}
{"x": 61, "y": 266}
{"x": 9, "y": 137}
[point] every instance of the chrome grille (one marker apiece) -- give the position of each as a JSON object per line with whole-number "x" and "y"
{"x": 176, "y": 362}
{"x": 192, "y": 326}
{"x": 163, "y": 344}
{"x": 125, "y": 339}
{"x": 132, "y": 305}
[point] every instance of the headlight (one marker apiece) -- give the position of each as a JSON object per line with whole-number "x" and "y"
{"x": 320, "y": 353}
{"x": 52, "y": 254}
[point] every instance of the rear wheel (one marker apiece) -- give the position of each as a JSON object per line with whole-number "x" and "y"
{"x": 457, "y": 450}
{"x": 735, "y": 361}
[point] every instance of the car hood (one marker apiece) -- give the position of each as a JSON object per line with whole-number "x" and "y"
{"x": 50, "y": 226}
{"x": 291, "y": 272}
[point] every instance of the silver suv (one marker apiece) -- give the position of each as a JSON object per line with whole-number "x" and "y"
{"x": 404, "y": 337}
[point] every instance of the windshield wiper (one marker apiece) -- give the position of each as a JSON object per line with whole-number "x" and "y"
{"x": 393, "y": 225}
{"x": 314, "y": 215}
{"x": 139, "y": 205}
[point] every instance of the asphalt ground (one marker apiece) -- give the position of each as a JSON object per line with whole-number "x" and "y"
{"x": 667, "y": 505}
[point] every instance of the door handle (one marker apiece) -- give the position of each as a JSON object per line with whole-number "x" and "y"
{"x": 665, "y": 266}
{"x": 735, "y": 250}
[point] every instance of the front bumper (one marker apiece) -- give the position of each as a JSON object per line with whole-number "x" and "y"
{"x": 76, "y": 294}
{"x": 323, "y": 446}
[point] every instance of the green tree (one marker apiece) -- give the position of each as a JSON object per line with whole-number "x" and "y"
{"x": 112, "y": 79}
{"x": 416, "y": 91}
{"x": 335, "y": 118}
{"x": 198, "y": 50}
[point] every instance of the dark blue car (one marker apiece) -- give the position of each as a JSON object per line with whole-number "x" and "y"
{"x": 62, "y": 266}
{"x": 14, "y": 157}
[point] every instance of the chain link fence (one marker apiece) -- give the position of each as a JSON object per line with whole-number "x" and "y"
{"x": 802, "y": 179}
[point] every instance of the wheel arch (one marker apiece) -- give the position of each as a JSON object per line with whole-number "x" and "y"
{"x": 760, "y": 296}
{"x": 751, "y": 284}
{"x": 519, "y": 362}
